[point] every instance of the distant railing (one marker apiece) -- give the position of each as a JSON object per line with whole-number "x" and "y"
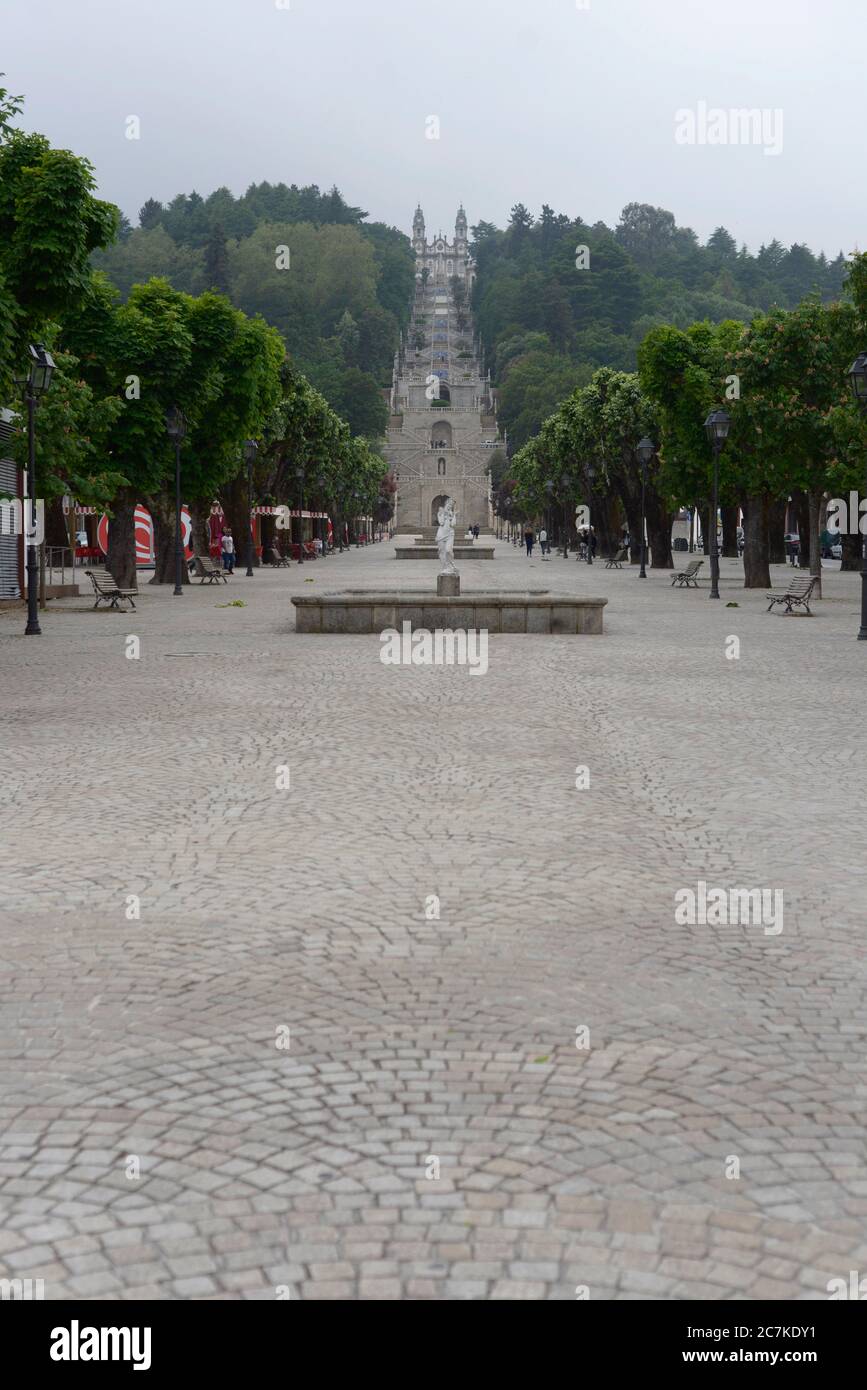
{"x": 58, "y": 560}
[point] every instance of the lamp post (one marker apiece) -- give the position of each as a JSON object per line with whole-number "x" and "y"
{"x": 644, "y": 451}
{"x": 299, "y": 476}
{"x": 549, "y": 509}
{"x": 566, "y": 488}
{"x": 35, "y": 381}
{"x": 176, "y": 428}
{"x": 717, "y": 428}
{"x": 357, "y": 497}
{"x": 251, "y": 449}
{"x": 591, "y": 475}
{"x": 858, "y": 381}
{"x": 323, "y": 524}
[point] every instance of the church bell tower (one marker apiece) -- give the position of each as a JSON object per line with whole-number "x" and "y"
{"x": 418, "y": 240}
{"x": 461, "y": 232}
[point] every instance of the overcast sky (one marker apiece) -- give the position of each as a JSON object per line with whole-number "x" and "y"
{"x": 537, "y": 100}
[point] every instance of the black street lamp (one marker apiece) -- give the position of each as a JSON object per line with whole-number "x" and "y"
{"x": 858, "y": 380}
{"x": 549, "y": 512}
{"x": 35, "y": 381}
{"x": 251, "y": 449}
{"x": 566, "y": 487}
{"x": 357, "y": 496}
{"x": 299, "y": 475}
{"x": 323, "y": 524}
{"x": 176, "y": 428}
{"x": 591, "y": 477}
{"x": 717, "y": 428}
{"x": 644, "y": 451}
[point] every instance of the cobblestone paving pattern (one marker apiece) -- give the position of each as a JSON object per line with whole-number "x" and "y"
{"x": 266, "y": 909}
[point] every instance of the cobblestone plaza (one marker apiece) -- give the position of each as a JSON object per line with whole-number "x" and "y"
{"x": 238, "y": 1042}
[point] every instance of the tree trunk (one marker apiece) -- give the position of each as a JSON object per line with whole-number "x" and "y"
{"x": 814, "y": 500}
{"x": 802, "y": 512}
{"x": 121, "y": 541}
{"x": 235, "y": 503}
{"x": 659, "y": 520}
{"x": 198, "y": 544}
{"x": 607, "y": 528}
{"x": 632, "y": 508}
{"x": 730, "y": 532}
{"x": 777, "y": 513}
{"x": 705, "y": 529}
{"x": 268, "y": 535}
{"x": 56, "y": 530}
{"x": 162, "y": 509}
{"x": 757, "y": 574}
{"x": 851, "y": 551}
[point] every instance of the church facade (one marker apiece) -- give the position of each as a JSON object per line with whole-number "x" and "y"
{"x": 441, "y": 258}
{"x": 442, "y": 425}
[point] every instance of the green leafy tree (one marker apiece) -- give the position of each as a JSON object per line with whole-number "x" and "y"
{"x": 165, "y": 348}
{"x": 73, "y": 441}
{"x": 791, "y": 367}
{"x": 152, "y": 254}
{"x": 50, "y": 222}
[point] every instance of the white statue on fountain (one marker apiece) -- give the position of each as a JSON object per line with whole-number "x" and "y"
{"x": 446, "y": 516}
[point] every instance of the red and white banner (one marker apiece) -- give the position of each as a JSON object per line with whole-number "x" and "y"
{"x": 144, "y": 535}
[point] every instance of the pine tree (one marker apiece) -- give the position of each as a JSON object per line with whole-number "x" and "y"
{"x": 217, "y": 260}
{"x": 151, "y": 215}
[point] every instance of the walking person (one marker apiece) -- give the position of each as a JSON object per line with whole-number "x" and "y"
{"x": 543, "y": 542}
{"x": 529, "y": 540}
{"x": 227, "y": 545}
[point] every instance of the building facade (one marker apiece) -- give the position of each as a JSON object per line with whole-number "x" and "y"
{"x": 442, "y": 425}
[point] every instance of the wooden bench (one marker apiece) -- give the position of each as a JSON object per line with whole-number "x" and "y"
{"x": 107, "y": 591}
{"x": 684, "y": 578}
{"x": 208, "y": 569}
{"x": 615, "y": 562}
{"x": 279, "y": 561}
{"x": 796, "y": 596}
{"x": 309, "y": 551}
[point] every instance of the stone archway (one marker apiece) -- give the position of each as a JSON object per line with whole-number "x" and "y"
{"x": 441, "y": 435}
{"x": 435, "y": 506}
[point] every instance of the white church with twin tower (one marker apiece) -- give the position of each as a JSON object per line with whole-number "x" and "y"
{"x": 442, "y": 424}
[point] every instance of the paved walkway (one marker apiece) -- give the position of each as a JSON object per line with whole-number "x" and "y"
{"x": 153, "y": 1046}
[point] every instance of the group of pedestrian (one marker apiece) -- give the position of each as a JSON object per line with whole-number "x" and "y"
{"x": 586, "y": 539}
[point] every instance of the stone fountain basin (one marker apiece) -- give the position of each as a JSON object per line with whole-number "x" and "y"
{"x": 503, "y": 610}
{"x": 463, "y": 550}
